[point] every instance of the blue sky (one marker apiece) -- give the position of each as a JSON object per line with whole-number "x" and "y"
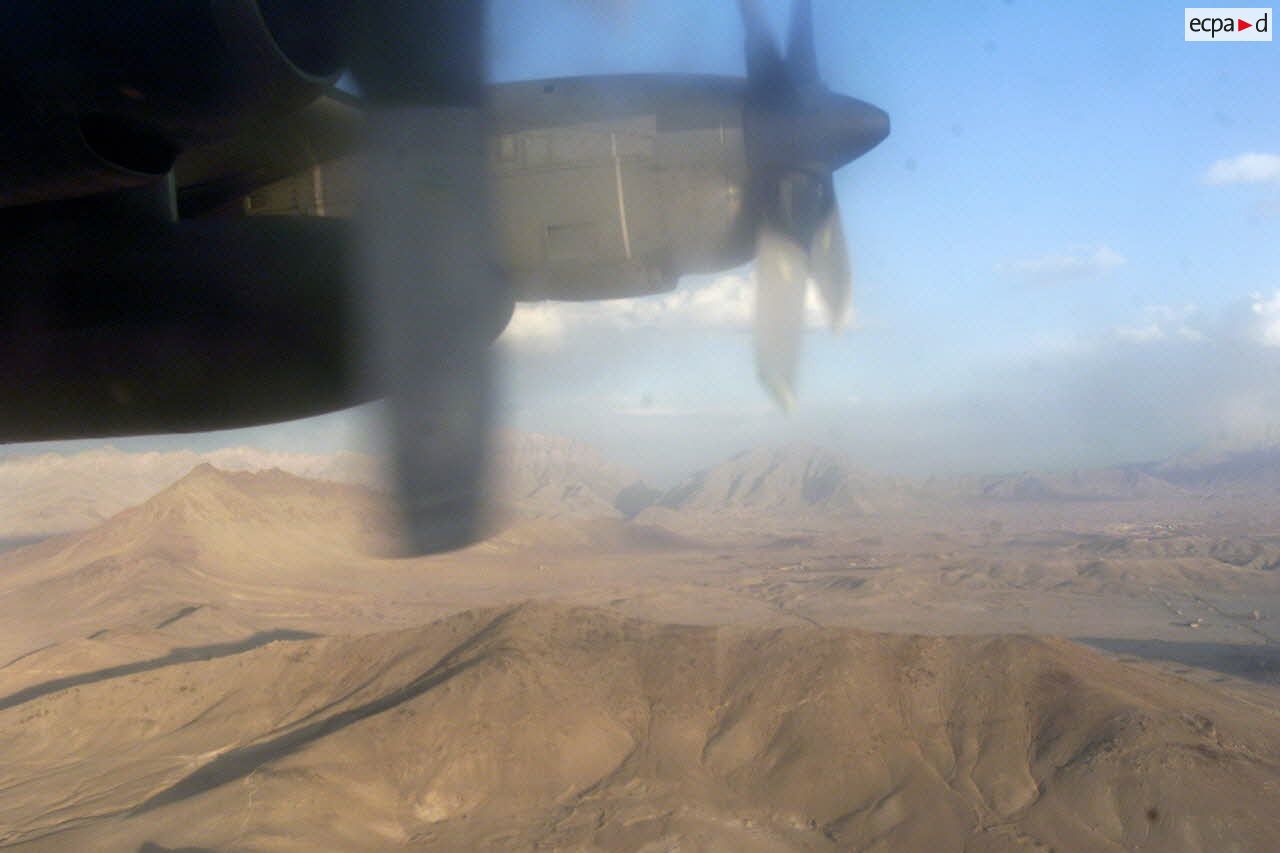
{"x": 1050, "y": 268}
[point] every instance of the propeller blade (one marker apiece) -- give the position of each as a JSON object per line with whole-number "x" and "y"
{"x": 781, "y": 278}
{"x": 425, "y": 267}
{"x": 795, "y": 134}
{"x": 425, "y": 270}
{"x": 830, "y": 268}
{"x": 766, "y": 71}
{"x": 802, "y": 60}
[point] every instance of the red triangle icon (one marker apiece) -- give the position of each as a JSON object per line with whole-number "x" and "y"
{"x": 1242, "y": 24}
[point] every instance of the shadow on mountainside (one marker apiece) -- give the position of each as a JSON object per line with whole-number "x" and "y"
{"x": 13, "y": 543}
{"x": 182, "y": 654}
{"x": 238, "y": 763}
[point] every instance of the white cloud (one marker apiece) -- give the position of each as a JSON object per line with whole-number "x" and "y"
{"x": 1145, "y": 334}
{"x": 1267, "y": 312}
{"x": 1251, "y": 168}
{"x": 1064, "y": 266}
{"x": 726, "y": 304}
{"x": 675, "y": 411}
{"x": 536, "y": 325}
{"x": 1163, "y": 323}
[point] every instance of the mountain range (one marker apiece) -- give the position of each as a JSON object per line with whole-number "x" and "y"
{"x": 541, "y": 476}
{"x": 534, "y": 476}
{"x": 792, "y": 480}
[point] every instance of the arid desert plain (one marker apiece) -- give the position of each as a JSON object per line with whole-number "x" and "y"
{"x": 781, "y": 653}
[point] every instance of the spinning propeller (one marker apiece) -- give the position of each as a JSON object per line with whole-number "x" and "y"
{"x": 797, "y": 133}
{"x": 431, "y": 291}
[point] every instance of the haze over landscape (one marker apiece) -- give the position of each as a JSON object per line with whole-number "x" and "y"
{"x": 780, "y": 652}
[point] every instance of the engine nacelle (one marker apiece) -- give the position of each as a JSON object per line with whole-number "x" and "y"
{"x": 106, "y": 98}
{"x": 173, "y": 328}
{"x": 644, "y": 186}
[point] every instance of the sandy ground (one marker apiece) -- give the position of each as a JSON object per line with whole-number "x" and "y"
{"x": 226, "y": 668}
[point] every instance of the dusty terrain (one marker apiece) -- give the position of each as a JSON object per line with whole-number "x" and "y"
{"x": 779, "y": 654}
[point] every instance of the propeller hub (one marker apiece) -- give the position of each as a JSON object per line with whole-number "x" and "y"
{"x": 848, "y": 128}
{"x": 821, "y": 132}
